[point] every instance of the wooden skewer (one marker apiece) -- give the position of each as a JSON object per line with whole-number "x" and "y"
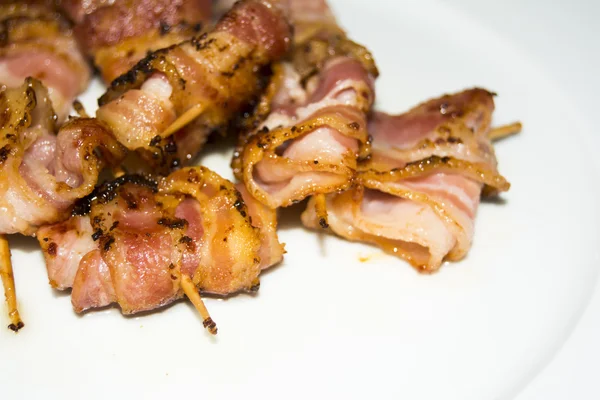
{"x": 80, "y": 109}
{"x": 321, "y": 210}
{"x": 183, "y": 120}
{"x": 8, "y": 280}
{"x": 191, "y": 292}
{"x": 505, "y": 131}
{"x": 118, "y": 171}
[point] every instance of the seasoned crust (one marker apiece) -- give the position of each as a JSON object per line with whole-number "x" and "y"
{"x": 109, "y": 190}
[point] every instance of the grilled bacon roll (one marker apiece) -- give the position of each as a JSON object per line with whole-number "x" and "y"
{"x": 139, "y": 238}
{"x": 317, "y": 127}
{"x": 207, "y": 79}
{"x": 119, "y": 34}
{"x": 44, "y": 173}
{"x": 418, "y": 193}
{"x": 35, "y": 41}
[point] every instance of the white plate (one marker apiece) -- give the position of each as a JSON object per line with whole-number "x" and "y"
{"x": 326, "y": 324}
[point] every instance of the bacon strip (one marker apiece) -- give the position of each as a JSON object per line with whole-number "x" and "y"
{"x": 211, "y": 77}
{"x": 43, "y": 174}
{"x": 310, "y": 142}
{"x": 450, "y": 126}
{"x": 140, "y": 238}
{"x": 418, "y": 194}
{"x": 37, "y": 42}
{"x": 119, "y": 34}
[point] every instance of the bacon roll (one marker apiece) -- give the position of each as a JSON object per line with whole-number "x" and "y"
{"x": 418, "y": 193}
{"x": 35, "y": 41}
{"x": 207, "y": 80}
{"x": 44, "y": 173}
{"x": 118, "y": 34}
{"x": 135, "y": 240}
{"x": 316, "y": 130}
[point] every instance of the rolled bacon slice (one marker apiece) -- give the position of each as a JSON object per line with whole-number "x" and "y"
{"x": 418, "y": 194}
{"x": 317, "y": 128}
{"x": 206, "y": 80}
{"x": 119, "y": 34}
{"x": 37, "y": 42}
{"x": 138, "y": 241}
{"x": 43, "y": 174}
{"x": 450, "y": 126}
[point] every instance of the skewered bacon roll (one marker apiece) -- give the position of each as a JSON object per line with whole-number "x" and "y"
{"x": 419, "y": 191}
{"x": 37, "y": 42}
{"x": 310, "y": 142}
{"x": 211, "y": 77}
{"x": 119, "y": 34}
{"x": 43, "y": 174}
{"x": 138, "y": 242}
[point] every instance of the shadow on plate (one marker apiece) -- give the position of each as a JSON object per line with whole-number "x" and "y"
{"x": 217, "y": 145}
{"x": 289, "y": 217}
{"x": 495, "y": 200}
{"x": 26, "y": 244}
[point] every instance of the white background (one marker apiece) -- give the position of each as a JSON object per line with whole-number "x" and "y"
{"x": 564, "y": 37}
